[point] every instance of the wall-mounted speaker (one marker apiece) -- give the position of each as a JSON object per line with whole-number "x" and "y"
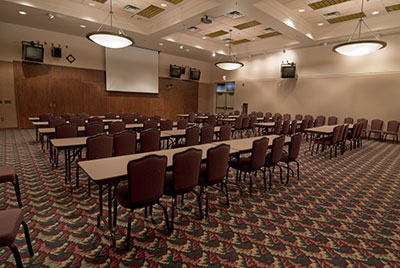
{"x": 56, "y": 52}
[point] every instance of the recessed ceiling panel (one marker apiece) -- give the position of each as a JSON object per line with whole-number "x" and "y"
{"x": 393, "y": 8}
{"x": 175, "y": 2}
{"x": 150, "y": 11}
{"x": 247, "y": 25}
{"x": 325, "y": 3}
{"x": 262, "y": 36}
{"x": 347, "y": 17}
{"x": 241, "y": 41}
{"x": 217, "y": 33}
{"x": 100, "y": 1}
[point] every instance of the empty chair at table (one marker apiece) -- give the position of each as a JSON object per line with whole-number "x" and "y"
{"x": 293, "y": 127}
{"x": 276, "y": 117}
{"x": 252, "y": 126}
{"x": 10, "y": 221}
{"x": 332, "y": 120}
{"x": 206, "y": 134}
{"x": 298, "y": 117}
{"x": 183, "y": 124}
{"x": 342, "y": 141}
{"x": 128, "y": 119}
{"x": 192, "y": 136}
{"x": 237, "y": 127}
{"x": 123, "y": 114}
{"x": 291, "y": 155}
{"x": 212, "y": 120}
{"x": 56, "y": 122}
{"x": 65, "y": 131}
{"x": 45, "y": 117}
{"x": 99, "y": 146}
{"x": 352, "y": 136}
{"x": 286, "y": 117}
{"x": 80, "y": 122}
{"x": 150, "y": 125}
{"x": 124, "y": 143}
{"x": 146, "y": 178}
{"x": 192, "y": 117}
{"x": 250, "y": 164}
{"x": 236, "y": 112}
{"x": 225, "y": 133}
{"x": 363, "y": 126}
{"x": 8, "y": 174}
{"x": 214, "y": 172}
{"x": 392, "y": 129}
{"x": 110, "y": 115}
{"x": 116, "y": 127}
{"x": 303, "y": 126}
{"x": 285, "y": 127}
{"x": 67, "y": 116}
{"x": 277, "y": 127}
{"x": 94, "y": 128}
{"x": 267, "y": 115}
{"x": 166, "y": 125}
{"x": 183, "y": 178}
{"x": 330, "y": 141}
{"x": 149, "y": 140}
{"x": 95, "y": 119}
{"x": 143, "y": 118}
{"x": 272, "y": 159}
{"x": 348, "y": 120}
{"x": 84, "y": 116}
{"x": 319, "y": 121}
{"x": 245, "y": 125}
{"x": 260, "y": 114}
{"x": 156, "y": 118}
{"x": 376, "y": 128}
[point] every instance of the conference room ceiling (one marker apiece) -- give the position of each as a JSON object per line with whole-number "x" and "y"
{"x": 175, "y": 27}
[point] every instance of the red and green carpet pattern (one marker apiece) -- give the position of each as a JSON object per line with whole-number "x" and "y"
{"x": 342, "y": 212}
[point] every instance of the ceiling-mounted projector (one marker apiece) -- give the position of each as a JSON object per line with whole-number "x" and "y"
{"x": 206, "y": 20}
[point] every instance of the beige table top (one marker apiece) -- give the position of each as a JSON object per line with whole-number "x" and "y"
{"x": 33, "y": 118}
{"x": 202, "y": 117}
{"x": 112, "y": 167}
{"x": 324, "y": 129}
{"x": 182, "y": 132}
{"x": 234, "y": 115}
{"x": 247, "y": 144}
{"x": 227, "y": 119}
{"x": 270, "y": 124}
{"x": 182, "y": 115}
{"x": 39, "y": 123}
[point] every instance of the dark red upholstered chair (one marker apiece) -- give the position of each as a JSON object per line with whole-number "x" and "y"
{"x": 376, "y": 128}
{"x": 352, "y": 136}
{"x": 348, "y": 120}
{"x": 298, "y": 117}
{"x": 116, "y": 127}
{"x": 123, "y": 114}
{"x": 156, "y": 118}
{"x": 330, "y": 141}
{"x": 245, "y": 125}
{"x": 62, "y": 132}
{"x": 251, "y": 164}
{"x": 214, "y": 171}
{"x": 286, "y": 117}
{"x": 99, "y": 146}
{"x": 267, "y": 117}
{"x": 150, "y": 125}
{"x": 332, "y": 120}
{"x": 293, "y": 127}
{"x": 80, "y": 122}
{"x": 259, "y": 114}
{"x": 225, "y": 133}
{"x": 236, "y": 112}
{"x": 192, "y": 117}
{"x": 67, "y": 116}
{"x": 285, "y": 127}
{"x": 277, "y": 127}
{"x": 146, "y": 178}
{"x": 10, "y": 221}
{"x": 95, "y": 119}
{"x": 392, "y": 129}
{"x": 56, "y": 122}
{"x": 128, "y": 119}
{"x": 291, "y": 156}
{"x": 237, "y": 127}
{"x": 192, "y": 136}
{"x": 94, "y": 128}
{"x": 8, "y": 174}
{"x": 143, "y": 118}
{"x": 310, "y": 125}
{"x": 277, "y": 116}
{"x": 343, "y": 139}
{"x": 252, "y": 127}
{"x": 319, "y": 121}
{"x": 212, "y": 120}
{"x": 124, "y": 143}
{"x": 183, "y": 124}
{"x": 183, "y": 178}
{"x": 363, "y": 126}
{"x": 45, "y": 117}
{"x": 303, "y": 126}
{"x": 111, "y": 116}
{"x": 150, "y": 140}
{"x": 166, "y": 125}
{"x": 272, "y": 159}
{"x": 84, "y": 116}
{"x": 207, "y": 134}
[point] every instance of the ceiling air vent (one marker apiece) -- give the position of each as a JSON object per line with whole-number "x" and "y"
{"x": 393, "y": 8}
{"x": 325, "y": 3}
{"x": 131, "y": 9}
{"x": 331, "y": 15}
{"x": 227, "y": 40}
{"x": 247, "y": 25}
{"x": 268, "y": 30}
{"x": 234, "y": 15}
{"x": 193, "y": 29}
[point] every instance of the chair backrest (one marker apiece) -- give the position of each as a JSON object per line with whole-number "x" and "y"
{"x": 116, "y": 127}
{"x": 345, "y": 132}
{"x": 277, "y": 148}
{"x": 56, "y": 122}
{"x": 123, "y": 114}
{"x": 150, "y": 125}
{"x": 66, "y": 131}
{"x": 99, "y": 146}
{"x": 304, "y": 124}
{"x": 268, "y": 114}
{"x": 128, "y": 119}
{"x": 67, "y": 116}
{"x": 238, "y": 123}
{"x": 332, "y": 120}
{"x": 286, "y": 117}
{"x": 95, "y": 119}
{"x": 192, "y": 117}
{"x": 245, "y": 122}
{"x": 45, "y": 117}
{"x": 260, "y": 114}
{"x": 336, "y": 133}
{"x": 150, "y": 140}
{"x": 236, "y": 112}
{"x": 206, "y": 134}
{"x": 293, "y": 127}
{"x": 225, "y": 133}
{"x": 183, "y": 124}
{"x": 294, "y": 146}
{"x": 124, "y": 143}
{"x": 111, "y": 116}
{"x": 143, "y": 118}
{"x": 217, "y": 163}
{"x": 84, "y": 116}
{"x": 277, "y": 116}
{"x": 77, "y": 121}
{"x": 393, "y": 126}
{"x": 267, "y": 118}
{"x": 146, "y": 177}
{"x": 94, "y": 128}
{"x": 286, "y": 127}
{"x": 376, "y": 124}
{"x": 298, "y": 117}
{"x": 253, "y": 121}
{"x": 185, "y": 174}
{"x": 348, "y": 120}
{"x": 319, "y": 121}
{"x": 355, "y": 130}
{"x": 258, "y": 152}
{"x": 156, "y": 118}
{"x": 364, "y": 123}
{"x": 166, "y": 125}
{"x": 278, "y": 127}
{"x": 310, "y": 122}
{"x": 212, "y": 120}
{"x": 192, "y": 136}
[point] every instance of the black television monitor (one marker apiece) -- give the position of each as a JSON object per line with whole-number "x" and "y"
{"x": 288, "y": 70}
{"x": 194, "y": 74}
{"x": 175, "y": 71}
{"x": 32, "y": 52}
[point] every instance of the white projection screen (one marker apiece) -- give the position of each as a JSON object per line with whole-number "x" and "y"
{"x": 132, "y": 69}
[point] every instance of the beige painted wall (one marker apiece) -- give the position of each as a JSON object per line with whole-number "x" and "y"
{"x": 327, "y": 83}
{"x": 206, "y": 94}
{"x": 8, "y": 113}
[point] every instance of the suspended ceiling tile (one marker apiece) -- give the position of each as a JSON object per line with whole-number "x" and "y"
{"x": 325, "y": 3}
{"x": 262, "y": 36}
{"x": 217, "y": 33}
{"x": 347, "y": 17}
{"x": 247, "y": 25}
{"x": 241, "y": 41}
{"x": 392, "y": 8}
{"x": 175, "y": 2}
{"x": 150, "y": 11}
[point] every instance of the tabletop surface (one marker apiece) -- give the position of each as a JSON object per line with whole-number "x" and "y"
{"x": 324, "y": 129}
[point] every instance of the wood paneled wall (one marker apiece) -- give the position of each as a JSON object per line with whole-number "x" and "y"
{"x": 42, "y": 88}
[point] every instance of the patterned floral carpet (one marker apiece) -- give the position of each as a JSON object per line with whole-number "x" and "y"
{"x": 342, "y": 212}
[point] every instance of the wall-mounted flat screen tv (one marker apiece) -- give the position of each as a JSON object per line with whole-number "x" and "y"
{"x": 175, "y": 71}
{"x": 194, "y": 74}
{"x": 32, "y": 52}
{"x": 288, "y": 70}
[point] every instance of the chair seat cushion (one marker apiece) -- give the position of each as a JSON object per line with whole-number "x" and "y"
{"x": 243, "y": 163}
{"x": 10, "y": 220}
{"x": 7, "y": 173}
